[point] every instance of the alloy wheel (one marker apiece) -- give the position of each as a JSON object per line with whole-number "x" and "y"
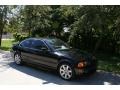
{"x": 17, "y": 59}
{"x": 65, "y": 71}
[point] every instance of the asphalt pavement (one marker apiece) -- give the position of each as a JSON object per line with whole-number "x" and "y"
{"x": 10, "y": 73}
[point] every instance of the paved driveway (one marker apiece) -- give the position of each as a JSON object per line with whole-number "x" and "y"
{"x": 10, "y": 73}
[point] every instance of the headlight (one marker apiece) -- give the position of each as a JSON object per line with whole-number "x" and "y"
{"x": 81, "y": 64}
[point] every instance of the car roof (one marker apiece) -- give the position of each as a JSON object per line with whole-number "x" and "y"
{"x": 46, "y": 38}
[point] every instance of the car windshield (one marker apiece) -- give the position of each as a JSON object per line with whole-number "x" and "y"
{"x": 58, "y": 44}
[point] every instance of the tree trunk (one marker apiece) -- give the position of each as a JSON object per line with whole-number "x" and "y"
{"x": 1, "y": 31}
{"x": 97, "y": 45}
{"x": 29, "y": 32}
{"x": 2, "y": 21}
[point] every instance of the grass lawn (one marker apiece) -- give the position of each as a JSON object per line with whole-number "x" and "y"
{"x": 106, "y": 62}
{"x": 110, "y": 63}
{"x": 6, "y": 44}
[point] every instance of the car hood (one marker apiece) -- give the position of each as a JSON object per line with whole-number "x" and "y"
{"x": 74, "y": 54}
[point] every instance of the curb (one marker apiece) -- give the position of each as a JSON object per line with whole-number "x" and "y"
{"x": 2, "y": 51}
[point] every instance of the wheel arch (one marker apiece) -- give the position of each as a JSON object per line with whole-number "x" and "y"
{"x": 64, "y": 60}
{"x": 17, "y": 52}
{"x": 70, "y": 63}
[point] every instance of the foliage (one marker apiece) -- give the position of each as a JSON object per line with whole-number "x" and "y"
{"x": 36, "y": 20}
{"x": 19, "y": 37}
{"x": 14, "y": 18}
{"x": 93, "y": 28}
{"x": 3, "y": 15}
{"x": 109, "y": 62}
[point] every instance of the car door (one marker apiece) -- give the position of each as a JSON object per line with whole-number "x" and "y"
{"x": 42, "y": 55}
{"x": 24, "y": 48}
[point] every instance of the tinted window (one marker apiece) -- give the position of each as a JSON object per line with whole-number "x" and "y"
{"x": 37, "y": 44}
{"x": 25, "y": 43}
{"x": 58, "y": 44}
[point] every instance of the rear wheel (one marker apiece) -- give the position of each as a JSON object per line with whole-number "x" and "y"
{"x": 17, "y": 59}
{"x": 66, "y": 71}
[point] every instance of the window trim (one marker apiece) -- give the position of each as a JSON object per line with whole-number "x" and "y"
{"x": 24, "y": 46}
{"x": 48, "y": 49}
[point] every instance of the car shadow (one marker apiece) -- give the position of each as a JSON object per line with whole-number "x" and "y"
{"x": 99, "y": 78}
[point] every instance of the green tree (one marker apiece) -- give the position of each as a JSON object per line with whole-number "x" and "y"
{"x": 15, "y": 19}
{"x": 94, "y": 27}
{"x": 89, "y": 27}
{"x": 62, "y": 17}
{"x": 36, "y": 20}
{"x": 3, "y": 15}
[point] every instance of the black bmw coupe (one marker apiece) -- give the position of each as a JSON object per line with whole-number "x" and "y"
{"x": 53, "y": 53}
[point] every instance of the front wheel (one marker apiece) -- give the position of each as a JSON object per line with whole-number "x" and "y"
{"x": 17, "y": 59}
{"x": 66, "y": 71}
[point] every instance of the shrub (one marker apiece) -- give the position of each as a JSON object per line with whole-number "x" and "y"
{"x": 19, "y": 37}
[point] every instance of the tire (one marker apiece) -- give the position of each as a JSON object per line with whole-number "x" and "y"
{"x": 17, "y": 59}
{"x": 66, "y": 71}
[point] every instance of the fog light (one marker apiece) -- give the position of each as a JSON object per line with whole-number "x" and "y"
{"x": 80, "y": 71}
{"x": 81, "y": 64}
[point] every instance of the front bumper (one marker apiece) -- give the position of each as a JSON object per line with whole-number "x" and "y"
{"x": 86, "y": 70}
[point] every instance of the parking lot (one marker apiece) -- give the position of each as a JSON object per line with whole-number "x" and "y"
{"x": 10, "y": 73}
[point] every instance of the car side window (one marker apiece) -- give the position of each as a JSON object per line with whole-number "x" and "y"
{"x": 38, "y": 44}
{"x": 25, "y": 43}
